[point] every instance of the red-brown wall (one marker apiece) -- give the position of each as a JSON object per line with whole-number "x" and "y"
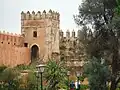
{"x": 12, "y": 52}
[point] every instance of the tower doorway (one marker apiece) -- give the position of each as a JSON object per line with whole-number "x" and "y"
{"x": 34, "y": 52}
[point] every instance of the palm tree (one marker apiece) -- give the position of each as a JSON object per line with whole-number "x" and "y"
{"x": 55, "y": 74}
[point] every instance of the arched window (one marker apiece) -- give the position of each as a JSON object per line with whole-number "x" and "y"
{"x": 35, "y": 34}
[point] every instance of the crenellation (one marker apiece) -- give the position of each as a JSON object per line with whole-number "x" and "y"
{"x": 4, "y": 32}
{"x": 49, "y": 14}
{"x": 11, "y": 33}
{"x": 61, "y": 34}
{"x": 43, "y": 15}
{"x": 50, "y": 11}
{"x": 22, "y": 15}
{"x": 78, "y": 33}
{"x": 57, "y": 15}
{"x": 44, "y": 11}
{"x": 33, "y": 15}
{"x": 27, "y": 15}
{"x": 67, "y": 34}
{"x": 53, "y": 14}
{"x": 73, "y": 33}
{"x": 38, "y": 16}
{"x": 7, "y": 33}
{"x": 15, "y": 34}
{"x": 10, "y": 38}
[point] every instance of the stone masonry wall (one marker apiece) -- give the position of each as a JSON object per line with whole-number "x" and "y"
{"x": 12, "y": 51}
{"x": 12, "y": 56}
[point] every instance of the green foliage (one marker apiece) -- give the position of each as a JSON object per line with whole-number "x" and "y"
{"x": 2, "y": 68}
{"x": 62, "y": 85}
{"x": 55, "y": 74}
{"x": 81, "y": 78}
{"x": 98, "y": 74}
{"x": 9, "y": 74}
{"x": 84, "y": 87}
{"x": 118, "y": 86}
{"x": 22, "y": 67}
{"x": 117, "y": 9}
{"x": 11, "y": 78}
{"x": 103, "y": 40}
{"x": 31, "y": 81}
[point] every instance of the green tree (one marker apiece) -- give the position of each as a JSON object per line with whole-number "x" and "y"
{"x": 31, "y": 80}
{"x": 117, "y": 9}
{"x": 98, "y": 74}
{"x": 104, "y": 40}
{"x": 13, "y": 78}
{"x": 55, "y": 74}
{"x": 9, "y": 79}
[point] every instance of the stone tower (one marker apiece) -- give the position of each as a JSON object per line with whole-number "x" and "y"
{"x": 41, "y": 33}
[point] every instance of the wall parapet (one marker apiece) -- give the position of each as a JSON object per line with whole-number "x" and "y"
{"x": 37, "y": 16}
{"x": 72, "y": 34}
{"x": 10, "y": 38}
{"x": 10, "y": 34}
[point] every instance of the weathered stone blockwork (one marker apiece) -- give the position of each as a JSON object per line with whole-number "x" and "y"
{"x": 72, "y": 50}
{"x": 46, "y": 25}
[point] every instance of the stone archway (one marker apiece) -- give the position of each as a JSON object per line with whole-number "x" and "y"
{"x": 34, "y": 52}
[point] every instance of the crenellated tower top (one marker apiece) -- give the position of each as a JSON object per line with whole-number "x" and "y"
{"x": 40, "y": 15}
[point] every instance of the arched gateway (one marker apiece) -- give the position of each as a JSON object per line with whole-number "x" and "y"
{"x": 34, "y": 52}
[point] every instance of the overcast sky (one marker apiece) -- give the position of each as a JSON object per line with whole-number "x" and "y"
{"x": 10, "y": 12}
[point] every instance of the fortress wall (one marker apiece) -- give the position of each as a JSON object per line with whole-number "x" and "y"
{"x": 74, "y": 35}
{"x": 70, "y": 34}
{"x": 11, "y": 39}
{"x": 12, "y": 55}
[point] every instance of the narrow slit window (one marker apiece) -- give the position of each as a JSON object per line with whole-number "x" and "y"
{"x": 35, "y": 34}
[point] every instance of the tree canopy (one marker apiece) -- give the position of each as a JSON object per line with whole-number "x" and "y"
{"x": 103, "y": 39}
{"x": 98, "y": 74}
{"x": 55, "y": 74}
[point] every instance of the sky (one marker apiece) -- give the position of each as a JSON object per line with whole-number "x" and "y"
{"x": 10, "y": 11}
